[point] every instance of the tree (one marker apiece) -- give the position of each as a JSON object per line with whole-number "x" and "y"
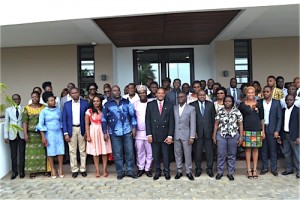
{"x": 144, "y": 72}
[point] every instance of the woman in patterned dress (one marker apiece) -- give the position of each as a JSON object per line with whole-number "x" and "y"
{"x": 52, "y": 137}
{"x": 35, "y": 156}
{"x": 227, "y": 130}
{"x": 97, "y": 143}
{"x": 253, "y": 115}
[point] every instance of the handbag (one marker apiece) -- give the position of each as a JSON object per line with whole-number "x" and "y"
{"x": 252, "y": 139}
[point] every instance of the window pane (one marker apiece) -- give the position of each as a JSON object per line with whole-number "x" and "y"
{"x": 180, "y": 70}
{"x": 240, "y": 61}
{"x": 241, "y": 67}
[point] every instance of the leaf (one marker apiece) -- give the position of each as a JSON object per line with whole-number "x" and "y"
{"x": 15, "y": 128}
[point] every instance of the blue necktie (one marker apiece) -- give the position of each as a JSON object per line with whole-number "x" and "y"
{"x": 202, "y": 109}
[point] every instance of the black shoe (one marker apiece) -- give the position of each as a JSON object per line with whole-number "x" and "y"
{"x": 178, "y": 175}
{"x": 297, "y": 175}
{"x": 210, "y": 174}
{"x": 13, "y": 176}
{"x": 219, "y": 176}
{"x": 84, "y": 174}
{"x": 190, "y": 176}
{"x": 230, "y": 177}
{"x": 262, "y": 172}
{"x": 287, "y": 173}
{"x": 140, "y": 173}
{"x": 198, "y": 173}
{"x": 275, "y": 173}
{"x": 120, "y": 177}
{"x": 167, "y": 176}
{"x": 74, "y": 174}
{"x": 22, "y": 175}
{"x": 133, "y": 175}
{"x": 156, "y": 176}
{"x": 148, "y": 173}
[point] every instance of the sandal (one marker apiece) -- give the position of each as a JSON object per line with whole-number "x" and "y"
{"x": 32, "y": 176}
{"x": 249, "y": 172}
{"x": 255, "y": 174}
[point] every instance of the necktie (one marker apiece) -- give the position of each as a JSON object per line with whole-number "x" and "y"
{"x": 160, "y": 107}
{"x": 202, "y": 109}
{"x": 234, "y": 94}
{"x": 17, "y": 112}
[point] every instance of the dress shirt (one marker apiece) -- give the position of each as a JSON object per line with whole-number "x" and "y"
{"x": 181, "y": 108}
{"x": 282, "y": 103}
{"x": 69, "y": 98}
{"x": 118, "y": 119}
{"x": 201, "y": 103}
{"x": 285, "y": 91}
{"x": 133, "y": 99}
{"x": 287, "y": 116}
{"x": 76, "y": 112}
{"x": 162, "y": 104}
{"x": 267, "y": 108}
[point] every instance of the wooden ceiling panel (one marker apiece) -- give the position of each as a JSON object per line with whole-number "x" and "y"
{"x": 168, "y": 29}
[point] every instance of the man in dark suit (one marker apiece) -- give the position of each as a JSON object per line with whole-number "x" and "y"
{"x": 233, "y": 91}
{"x": 159, "y": 131}
{"x": 290, "y": 134}
{"x": 272, "y": 120}
{"x": 205, "y": 119}
{"x": 74, "y": 131}
{"x": 184, "y": 134}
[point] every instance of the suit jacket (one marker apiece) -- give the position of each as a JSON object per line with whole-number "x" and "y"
{"x": 62, "y": 102}
{"x": 11, "y": 118}
{"x": 159, "y": 126}
{"x": 67, "y": 116}
{"x": 239, "y": 93}
{"x": 205, "y": 124}
{"x": 293, "y": 124}
{"x": 185, "y": 125}
{"x": 275, "y": 116}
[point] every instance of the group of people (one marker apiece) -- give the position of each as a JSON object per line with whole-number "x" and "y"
{"x": 150, "y": 124}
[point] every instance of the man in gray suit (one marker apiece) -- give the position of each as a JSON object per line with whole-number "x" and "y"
{"x": 13, "y": 116}
{"x": 184, "y": 134}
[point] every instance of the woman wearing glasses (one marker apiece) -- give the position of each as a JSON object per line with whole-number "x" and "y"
{"x": 221, "y": 93}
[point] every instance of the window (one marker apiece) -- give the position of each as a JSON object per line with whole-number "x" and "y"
{"x": 86, "y": 68}
{"x": 243, "y": 61}
{"x": 161, "y": 63}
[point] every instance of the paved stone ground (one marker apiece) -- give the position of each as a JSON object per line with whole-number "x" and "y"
{"x": 204, "y": 187}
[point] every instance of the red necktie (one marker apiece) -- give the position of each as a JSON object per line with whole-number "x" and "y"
{"x": 160, "y": 107}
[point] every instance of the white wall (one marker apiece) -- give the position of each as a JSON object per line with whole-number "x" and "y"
{"x": 203, "y": 60}
{"x": 4, "y": 154}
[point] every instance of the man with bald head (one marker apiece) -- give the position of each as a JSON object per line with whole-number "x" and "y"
{"x": 119, "y": 121}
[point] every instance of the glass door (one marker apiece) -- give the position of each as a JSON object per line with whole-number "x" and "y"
{"x": 161, "y": 63}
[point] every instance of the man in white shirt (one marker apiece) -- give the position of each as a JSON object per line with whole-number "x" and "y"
{"x": 272, "y": 120}
{"x": 132, "y": 96}
{"x": 290, "y": 134}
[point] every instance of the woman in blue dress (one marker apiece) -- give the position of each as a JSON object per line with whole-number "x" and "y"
{"x": 52, "y": 137}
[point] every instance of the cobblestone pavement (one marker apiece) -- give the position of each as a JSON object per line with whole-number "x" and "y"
{"x": 203, "y": 187}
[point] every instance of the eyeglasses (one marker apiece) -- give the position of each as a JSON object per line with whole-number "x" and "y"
{"x": 92, "y": 89}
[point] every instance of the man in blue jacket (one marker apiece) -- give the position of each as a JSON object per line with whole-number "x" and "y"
{"x": 74, "y": 131}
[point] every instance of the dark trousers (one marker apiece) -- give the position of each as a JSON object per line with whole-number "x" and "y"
{"x": 291, "y": 152}
{"x": 269, "y": 147}
{"x": 208, "y": 145}
{"x": 159, "y": 148}
{"x": 14, "y": 145}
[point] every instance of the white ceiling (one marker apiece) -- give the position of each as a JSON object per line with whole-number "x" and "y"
{"x": 254, "y": 22}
